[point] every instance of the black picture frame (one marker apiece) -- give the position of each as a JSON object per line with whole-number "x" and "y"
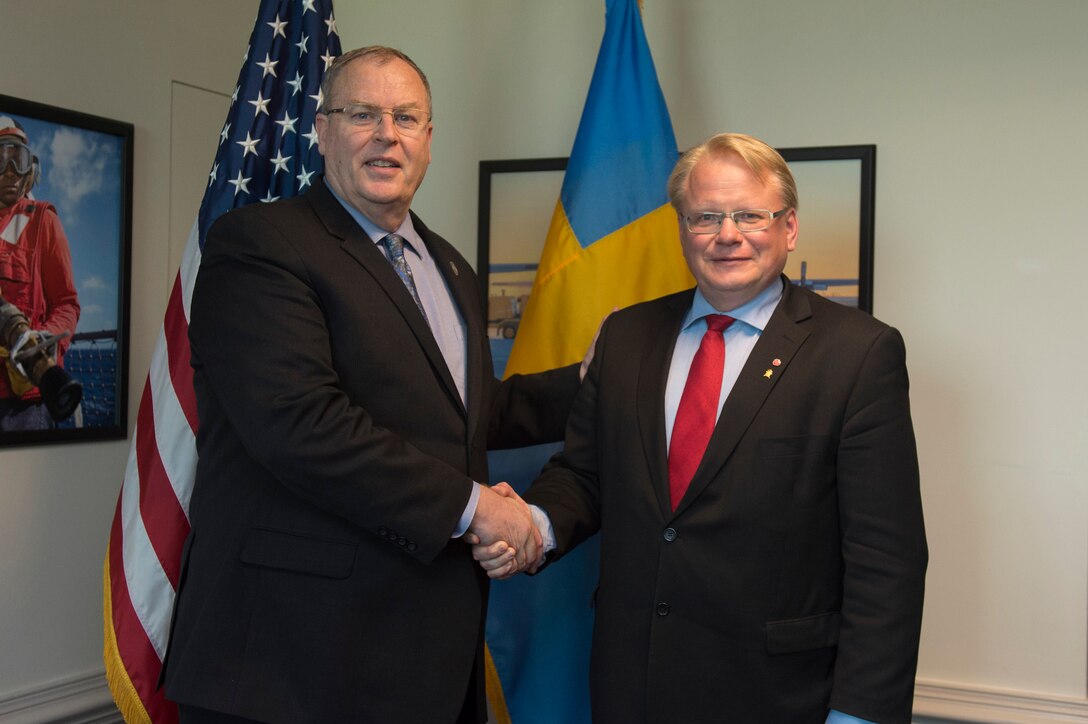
{"x": 837, "y": 192}
{"x": 85, "y": 166}
{"x": 836, "y": 188}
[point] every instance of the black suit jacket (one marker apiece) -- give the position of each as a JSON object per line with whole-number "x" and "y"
{"x": 319, "y": 582}
{"x": 790, "y": 578}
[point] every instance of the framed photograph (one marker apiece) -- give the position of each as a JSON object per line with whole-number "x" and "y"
{"x": 836, "y": 189}
{"x": 516, "y": 203}
{"x": 65, "y": 246}
{"x": 836, "y": 186}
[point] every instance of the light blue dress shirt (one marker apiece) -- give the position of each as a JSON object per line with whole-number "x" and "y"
{"x": 443, "y": 317}
{"x": 740, "y": 337}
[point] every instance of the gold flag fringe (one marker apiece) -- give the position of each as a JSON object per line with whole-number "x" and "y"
{"x": 124, "y": 693}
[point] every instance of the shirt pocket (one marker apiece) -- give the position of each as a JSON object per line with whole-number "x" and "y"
{"x": 14, "y": 265}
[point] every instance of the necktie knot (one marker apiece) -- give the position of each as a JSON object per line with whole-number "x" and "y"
{"x": 394, "y": 244}
{"x": 718, "y": 322}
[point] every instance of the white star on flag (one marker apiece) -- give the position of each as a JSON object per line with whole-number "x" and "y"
{"x": 250, "y": 145}
{"x": 278, "y": 26}
{"x": 287, "y": 124}
{"x": 239, "y": 183}
{"x": 269, "y": 66}
{"x": 304, "y": 178}
{"x": 280, "y": 162}
{"x": 261, "y": 103}
{"x": 296, "y": 84}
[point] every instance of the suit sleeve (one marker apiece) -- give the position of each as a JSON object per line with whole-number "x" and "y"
{"x": 883, "y": 541}
{"x": 531, "y": 409}
{"x": 262, "y": 354}
{"x": 568, "y": 487}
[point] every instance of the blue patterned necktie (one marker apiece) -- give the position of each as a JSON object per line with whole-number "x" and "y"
{"x": 394, "y": 245}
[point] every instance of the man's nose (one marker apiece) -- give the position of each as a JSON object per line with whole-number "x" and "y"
{"x": 729, "y": 233}
{"x": 386, "y": 130}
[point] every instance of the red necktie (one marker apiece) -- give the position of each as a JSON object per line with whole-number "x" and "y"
{"x": 698, "y": 408}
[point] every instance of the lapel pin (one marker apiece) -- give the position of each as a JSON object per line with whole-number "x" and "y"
{"x": 768, "y": 373}
{"x": 777, "y": 362}
{"x": 453, "y": 266}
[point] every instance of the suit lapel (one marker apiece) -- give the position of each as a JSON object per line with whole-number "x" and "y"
{"x": 359, "y": 246}
{"x": 652, "y": 378}
{"x": 779, "y": 342}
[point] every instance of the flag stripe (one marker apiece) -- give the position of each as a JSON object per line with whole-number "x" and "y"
{"x": 627, "y": 147}
{"x": 175, "y": 437}
{"x": 132, "y": 647}
{"x": 148, "y": 580}
{"x": 176, "y": 329}
{"x": 157, "y": 504}
{"x": 190, "y": 263}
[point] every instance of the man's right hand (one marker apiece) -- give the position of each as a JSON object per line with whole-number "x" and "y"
{"x": 503, "y": 536}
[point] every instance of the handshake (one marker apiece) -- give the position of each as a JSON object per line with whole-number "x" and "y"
{"x": 503, "y": 535}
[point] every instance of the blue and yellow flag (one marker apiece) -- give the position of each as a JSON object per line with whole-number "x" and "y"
{"x": 614, "y": 238}
{"x": 613, "y": 241}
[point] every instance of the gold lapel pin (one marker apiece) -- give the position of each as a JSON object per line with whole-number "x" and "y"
{"x": 768, "y": 373}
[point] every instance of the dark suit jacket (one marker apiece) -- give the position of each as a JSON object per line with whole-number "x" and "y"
{"x": 319, "y": 582}
{"x": 790, "y": 578}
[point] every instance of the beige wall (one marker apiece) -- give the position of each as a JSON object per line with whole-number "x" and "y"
{"x": 978, "y": 111}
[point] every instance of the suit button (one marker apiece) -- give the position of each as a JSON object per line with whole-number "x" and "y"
{"x": 411, "y": 545}
{"x": 663, "y": 609}
{"x": 670, "y": 534}
{"x": 402, "y": 541}
{"x": 382, "y": 531}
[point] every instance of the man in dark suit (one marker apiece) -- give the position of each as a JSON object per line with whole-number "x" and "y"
{"x": 346, "y": 400}
{"x": 762, "y": 546}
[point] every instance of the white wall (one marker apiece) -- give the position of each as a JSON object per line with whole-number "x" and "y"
{"x": 118, "y": 59}
{"x": 978, "y": 111}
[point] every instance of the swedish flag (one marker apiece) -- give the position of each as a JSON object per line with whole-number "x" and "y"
{"x": 613, "y": 239}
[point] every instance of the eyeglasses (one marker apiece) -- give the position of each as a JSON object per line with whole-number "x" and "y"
{"x": 18, "y": 155}
{"x": 409, "y": 121}
{"x": 746, "y": 220}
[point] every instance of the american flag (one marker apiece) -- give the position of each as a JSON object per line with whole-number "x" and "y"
{"x": 267, "y": 151}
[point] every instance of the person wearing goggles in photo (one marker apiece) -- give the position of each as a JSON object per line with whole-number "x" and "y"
{"x": 35, "y": 275}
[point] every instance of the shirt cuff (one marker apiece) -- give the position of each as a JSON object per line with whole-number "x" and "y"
{"x": 470, "y": 512}
{"x": 544, "y": 525}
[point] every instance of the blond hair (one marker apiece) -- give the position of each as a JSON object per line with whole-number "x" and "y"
{"x": 764, "y": 161}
